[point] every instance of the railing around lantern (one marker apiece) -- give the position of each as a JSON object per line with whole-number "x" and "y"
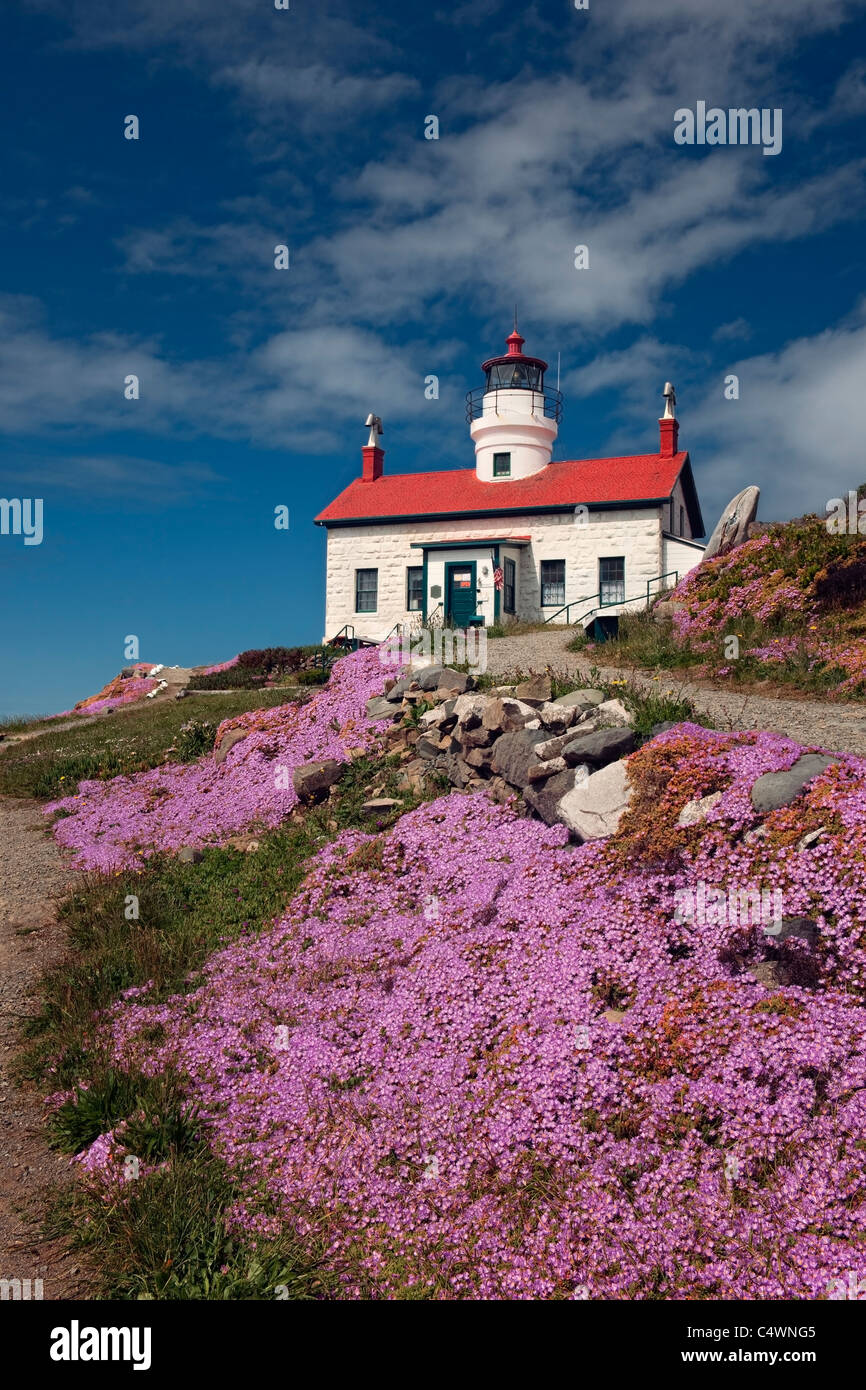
{"x": 550, "y": 402}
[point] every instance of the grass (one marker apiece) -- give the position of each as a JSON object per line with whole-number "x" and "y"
{"x": 131, "y": 740}
{"x": 168, "y": 1234}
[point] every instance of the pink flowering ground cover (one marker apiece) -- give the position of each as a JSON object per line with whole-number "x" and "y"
{"x": 109, "y": 825}
{"x": 800, "y": 589}
{"x": 221, "y": 666}
{"x": 416, "y": 1062}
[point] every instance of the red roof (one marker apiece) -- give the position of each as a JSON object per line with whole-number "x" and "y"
{"x": 456, "y": 491}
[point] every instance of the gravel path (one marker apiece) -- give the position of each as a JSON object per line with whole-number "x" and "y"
{"x": 32, "y": 878}
{"x": 840, "y": 728}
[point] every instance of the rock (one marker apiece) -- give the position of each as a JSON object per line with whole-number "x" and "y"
{"x": 506, "y": 714}
{"x": 378, "y": 707}
{"x": 457, "y": 681}
{"x": 476, "y": 738}
{"x": 811, "y": 837}
{"x": 663, "y": 727}
{"x": 312, "y": 780}
{"x": 557, "y": 718}
{"x": 427, "y": 746}
{"x": 614, "y": 712}
{"x": 513, "y": 753}
{"x": 379, "y": 806}
{"x": 732, "y": 527}
{"x": 398, "y": 689}
{"x": 503, "y": 690}
{"x": 583, "y": 699}
{"x": 188, "y": 855}
{"x": 479, "y": 757}
{"x": 127, "y": 672}
{"x": 428, "y": 679}
{"x": 614, "y": 1015}
{"x": 469, "y": 709}
{"x": 181, "y": 694}
{"x": 799, "y": 928}
{"x": 552, "y": 747}
{"x": 456, "y": 770}
{"x": 539, "y": 771}
{"x": 599, "y": 748}
{"x": 500, "y": 790}
{"x": 775, "y": 789}
{"x": 666, "y": 608}
{"x": 536, "y": 691}
{"x": 229, "y": 740}
{"x": 771, "y": 973}
{"x": 593, "y": 808}
{"x": 545, "y": 797}
{"x": 695, "y": 811}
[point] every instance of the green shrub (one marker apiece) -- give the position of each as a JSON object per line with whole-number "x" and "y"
{"x": 194, "y": 738}
{"x": 315, "y": 676}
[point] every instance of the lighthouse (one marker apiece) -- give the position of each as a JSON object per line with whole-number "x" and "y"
{"x": 513, "y": 419}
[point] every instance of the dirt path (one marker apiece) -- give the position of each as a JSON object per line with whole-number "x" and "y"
{"x": 838, "y": 727}
{"x": 32, "y": 878}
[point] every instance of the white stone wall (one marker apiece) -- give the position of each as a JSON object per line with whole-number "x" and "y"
{"x": 635, "y": 534}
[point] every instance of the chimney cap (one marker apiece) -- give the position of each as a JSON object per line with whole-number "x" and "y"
{"x": 670, "y": 395}
{"x": 375, "y": 426}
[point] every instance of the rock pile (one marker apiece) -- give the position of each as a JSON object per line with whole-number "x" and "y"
{"x": 566, "y": 756}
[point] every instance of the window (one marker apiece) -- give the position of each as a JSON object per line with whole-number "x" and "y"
{"x": 682, "y": 521}
{"x": 366, "y": 590}
{"x": 552, "y": 583}
{"x": 502, "y": 465}
{"x": 611, "y": 579}
{"x": 509, "y": 572}
{"x": 414, "y": 588}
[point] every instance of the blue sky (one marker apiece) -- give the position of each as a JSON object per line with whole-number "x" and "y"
{"x": 306, "y": 127}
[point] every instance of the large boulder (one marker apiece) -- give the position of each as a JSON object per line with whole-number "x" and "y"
{"x": 732, "y": 527}
{"x": 775, "y": 789}
{"x": 312, "y": 780}
{"x": 603, "y": 746}
{"x": 593, "y": 808}
{"x": 513, "y": 754}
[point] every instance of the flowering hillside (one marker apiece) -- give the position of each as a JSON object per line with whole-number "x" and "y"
{"x": 480, "y": 1062}
{"x": 108, "y": 824}
{"x": 795, "y": 597}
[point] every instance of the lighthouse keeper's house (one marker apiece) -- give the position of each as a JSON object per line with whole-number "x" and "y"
{"x": 518, "y": 537}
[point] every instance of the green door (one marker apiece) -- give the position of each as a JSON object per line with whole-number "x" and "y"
{"x": 460, "y": 593}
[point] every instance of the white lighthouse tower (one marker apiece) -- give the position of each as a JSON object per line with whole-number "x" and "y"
{"x": 513, "y": 420}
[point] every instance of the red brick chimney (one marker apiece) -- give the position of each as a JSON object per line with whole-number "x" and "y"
{"x": 669, "y": 427}
{"x": 373, "y": 457}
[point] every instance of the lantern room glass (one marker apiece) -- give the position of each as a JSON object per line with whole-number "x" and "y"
{"x": 514, "y": 376}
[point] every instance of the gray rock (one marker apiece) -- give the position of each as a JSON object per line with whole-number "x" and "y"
{"x": 614, "y": 712}
{"x": 732, "y": 527}
{"x": 476, "y": 738}
{"x": 663, "y": 727}
{"x": 545, "y": 797}
{"x": 454, "y": 680}
{"x": 181, "y": 694}
{"x": 228, "y": 741}
{"x": 775, "y": 789}
{"x": 188, "y": 855}
{"x": 312, "y": 780}
{"x": 478, "y": 757}
{"x": 427, "y": 746}
{"x": 798, "y": 928}
{"x": 811, "y": 837}
{"x": 770, "y": 973}
{"x": 513, "y": 753}
{"x": 379, "y": 806}
{"x": 593, "y": 809}
{"x": 666, "y": 609}
{"x": 599, "y": 748}
{"x": 695, "y": 811}
{"x": 428, "y": 678}
{"x": 585, "y": 699}
{"x": 552, "y": 747}
{"x": 380, "y": 707}
{"x": 539, "y": 771}
{"x": 536, "y": 691}
{"x": 557, "y": 718}
{"x": 127, "y": 672}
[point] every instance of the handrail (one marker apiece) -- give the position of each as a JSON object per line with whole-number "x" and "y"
{"x": 439, "y": 605}
{"x": 551, "y": 400}
{"x": 616, "y": 603}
